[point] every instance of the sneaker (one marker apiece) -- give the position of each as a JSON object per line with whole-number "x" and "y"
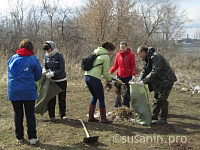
{"x": 64, "y": 117}
{"x": 33, "y": 141}
{"x": 20, "y": 140}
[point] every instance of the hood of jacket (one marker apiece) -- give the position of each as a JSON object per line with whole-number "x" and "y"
{"x": 24, "y": 52}
{"x": 17, "y": 64}
{"x": 100, "y": 51}
{"x": 53, "y": 47}
{"x": 149, "y": 53}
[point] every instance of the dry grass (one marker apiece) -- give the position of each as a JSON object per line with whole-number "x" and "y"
{"x": 184, "y": 120}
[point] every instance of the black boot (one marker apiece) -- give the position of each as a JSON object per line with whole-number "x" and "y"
{"x": 156, "y": 110}
{"x": 160, "y": 121}
{"x": 164, "y": 113}
{"x": 164, "y": 110}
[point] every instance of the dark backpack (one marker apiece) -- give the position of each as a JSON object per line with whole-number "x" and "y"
{"x": 87, "y": 62}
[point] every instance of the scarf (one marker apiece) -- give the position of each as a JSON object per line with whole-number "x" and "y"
{"x": 24, "y": 52}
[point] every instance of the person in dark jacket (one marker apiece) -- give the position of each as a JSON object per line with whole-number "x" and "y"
{"x": 55, "y": 69}
{"x": 126, "y": 70}
{"x": 160, "y": 78}
{"x": 23, "y": 71}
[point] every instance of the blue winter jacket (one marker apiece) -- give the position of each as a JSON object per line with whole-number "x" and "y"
{"x": 23, "y": 71}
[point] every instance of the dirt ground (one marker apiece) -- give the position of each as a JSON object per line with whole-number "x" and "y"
{"x": 181, "y": 133}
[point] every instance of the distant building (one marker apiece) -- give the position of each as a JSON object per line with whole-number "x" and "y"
{"x": 187, "y": 40}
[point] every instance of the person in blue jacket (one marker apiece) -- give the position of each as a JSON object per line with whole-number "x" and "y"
{"x": 24, "y": 70}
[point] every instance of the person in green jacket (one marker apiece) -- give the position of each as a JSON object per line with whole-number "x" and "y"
{"x": 93, "y": 80}
{"x": 160, "y": 78}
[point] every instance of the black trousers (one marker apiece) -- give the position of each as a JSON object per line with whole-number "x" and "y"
{"x": 61, "y": 101}
{"x": 27, "y": 106}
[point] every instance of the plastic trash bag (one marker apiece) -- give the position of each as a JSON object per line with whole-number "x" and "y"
{"x": 140, "y": 104}
{"x": 47, "y": 89}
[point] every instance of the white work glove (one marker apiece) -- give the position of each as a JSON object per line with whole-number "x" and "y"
{"x": 44, "y": 70}
{"x": 49, "y": 74}
{"x": 133, "y": 78}
{"x": 113, "y": 78}
{"x": 141, "y": 82}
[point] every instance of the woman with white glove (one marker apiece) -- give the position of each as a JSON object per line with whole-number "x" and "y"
{"x": 55, "y": 69}
{"x": 126, "y": 70}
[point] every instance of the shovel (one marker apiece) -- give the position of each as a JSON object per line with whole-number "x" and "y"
{"x": 88, "y": 138}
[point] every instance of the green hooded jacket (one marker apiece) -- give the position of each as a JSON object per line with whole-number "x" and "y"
{"x": 103, "y": 69}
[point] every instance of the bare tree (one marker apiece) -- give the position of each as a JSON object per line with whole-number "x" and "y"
{"x": 151, "y": 13}
{"x": 50, "y": 10}
{"x": 172, "y": 24}
{"x": 16, "y": 22}
{"x": 124, "y": 25}
{"x": 161, "y": 21}
{"x": 94, "y": 19}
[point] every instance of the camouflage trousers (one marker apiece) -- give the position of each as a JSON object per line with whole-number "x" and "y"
{"x": 160, "y": 102}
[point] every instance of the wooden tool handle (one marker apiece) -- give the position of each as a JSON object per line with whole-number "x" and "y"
{"x": 86, "y": 132}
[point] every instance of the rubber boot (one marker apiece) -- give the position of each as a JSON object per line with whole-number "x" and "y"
{"x": 164, "y": 109}
{"x": 160, "y": 121}
{"x": 164, "y": 113}
{"x": 103, "y": 116}
{"x": 156, "y": 110}
{"x": 91, "y": 114}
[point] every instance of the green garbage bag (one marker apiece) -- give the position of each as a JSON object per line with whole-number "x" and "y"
{"x": 47, "y": 89}
{"x": 140, "y": 104}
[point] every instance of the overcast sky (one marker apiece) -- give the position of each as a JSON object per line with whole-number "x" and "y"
{"x": 191, "y": 8}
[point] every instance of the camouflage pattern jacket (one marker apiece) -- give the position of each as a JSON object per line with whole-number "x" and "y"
{"x": 156, "y": 72}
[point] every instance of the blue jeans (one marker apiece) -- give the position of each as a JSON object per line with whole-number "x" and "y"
{"x": 29, "y": 106}
{"x": 96, "y": 89}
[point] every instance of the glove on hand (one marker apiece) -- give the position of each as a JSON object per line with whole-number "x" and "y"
{"x": 133, "y": 78}
{"x": 49, "y": 74}
{"x": 141, "y": 82}
{"x": 44, "y": 70}
{"x": 113, "y": 78}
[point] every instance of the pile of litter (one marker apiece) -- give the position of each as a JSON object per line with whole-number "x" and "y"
{"x": 192, "y": 88}
{"x": 121, "y": 114}
{"x": 118, "y": 114}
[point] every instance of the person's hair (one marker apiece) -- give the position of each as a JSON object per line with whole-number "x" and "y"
{"x": 124, "y": 43}
{"x": 143, "y": 48}
{"x": 27, "y": 44}
{"x": 108, "y": 46}
{"x": 46, "y": 46}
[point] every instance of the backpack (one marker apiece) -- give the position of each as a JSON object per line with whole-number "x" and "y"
{"x": 87, "y": 62}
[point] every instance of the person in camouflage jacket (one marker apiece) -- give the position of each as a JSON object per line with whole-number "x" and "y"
{"x": 160, "y": 78}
